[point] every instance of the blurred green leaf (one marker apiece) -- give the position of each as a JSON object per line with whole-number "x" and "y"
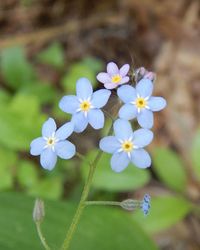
{"x": 170, "y": 168}
{"x": 196, "y": 154}
{"x": 106, "y": 179}
{"x": 53, "y": 55}
{"x": 49, "y": 188}
{"x": 44, "y": 92}
{"x": 27, "y": 175}
{"x": 78, "y": 70}
{"x": 7, "y": 166}
{"x": 93, "y": 63}
{"x": 95, "y": 230}
{"x": 165, "y": 212}
{"x": 4, "y": 97}
{"x": 18, "y": 126}
{"x": 16, "y": 70}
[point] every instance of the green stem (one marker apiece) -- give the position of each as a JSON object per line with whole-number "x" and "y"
{"x": 42, "y": 239}
{"x": 106, "y": 203}
{"x": 81, "y": 204}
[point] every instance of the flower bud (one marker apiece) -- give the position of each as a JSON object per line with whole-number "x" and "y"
{"x": 141, "y": 73}
{"x": 129, "y": 204}
{"x": 38, "y": 211}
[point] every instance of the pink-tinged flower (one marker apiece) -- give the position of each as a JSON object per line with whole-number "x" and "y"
{"x": 114, "y": 76}
{"x": 141, "y": 73}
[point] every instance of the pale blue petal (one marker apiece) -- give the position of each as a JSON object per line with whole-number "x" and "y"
{"x": 144, "y": 87}
{"x": 100, "y": 98}
{"x": 48, "y": 128}
{"x": 112, "y": 69}
{"x": 142, "y": 137}
{"x": 157, "y": 103}
{"x": 80, "y": 122}
{"x": 96, "y": 118}
{"x": 65, "y": 131}
{"x": 141, "y": 158}
{"x": 119, "y": 161}
{"x": 37, "y": 146}
{"x": 126, "y": 93}
{"x": 69, "y": 104}
{"x": 109, "y": 144}
{"x": 128, "y": 112}
{"x": 48, "y": 159}
{"x": 65, "y": 149}
{"x": 83, "y": 88}
{"x": 122, "y": 129}
{"x": 103, "y": 77}
{"x": 145, "y": 118}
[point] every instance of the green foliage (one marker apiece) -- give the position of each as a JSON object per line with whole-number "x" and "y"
{"x": 53, "y": 56}
{"x": 196, "y": 154}
{"x": 106, "y": 179}
{"x": 7, "y": 166}
{"x": 165, "y": 212}
{"x": 16, "y": 70}
{"x": 86, "y": 68}
{"x": 93, "y": 232}
{"x": 169, "y": 168}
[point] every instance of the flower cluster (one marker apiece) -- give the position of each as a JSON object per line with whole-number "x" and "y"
{"x": 125, "y": 145}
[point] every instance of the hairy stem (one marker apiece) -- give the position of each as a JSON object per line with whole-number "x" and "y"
{"x": 42, "y": 238}
{"x": 106, "y": 203}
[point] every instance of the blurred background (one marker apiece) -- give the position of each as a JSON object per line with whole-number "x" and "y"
{"x": 45, "y": 47}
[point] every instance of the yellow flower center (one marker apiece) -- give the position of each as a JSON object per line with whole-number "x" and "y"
{"x": 141, "y": 102}
{"x": 127, "y": 146}
{"x": 51, "y": 141}
{"x": 85, "y": 105}
{"x": 116, "y": 78}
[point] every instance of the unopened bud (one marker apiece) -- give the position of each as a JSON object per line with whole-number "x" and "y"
{"x": 129, "y": 204}
{"x": 38, "y": 211}
{"x": 143, "y": 73}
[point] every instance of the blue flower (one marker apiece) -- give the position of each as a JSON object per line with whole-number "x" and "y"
{"x": 53, "y": 143}
{"x": 127, "y": 146}
{"x": 85, "y": 106}
{"x": 145, "y": 205}
{"x": 139, "y": 103}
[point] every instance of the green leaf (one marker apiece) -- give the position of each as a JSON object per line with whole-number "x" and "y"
{"x": 27, "y": 175}
{"x": 106, "y": 179}
{"x": 78, "y": 70}
{"x": 8, "y": 162}
{"x": 165, "y": 212}
{"x": 170, "y": 168}
{"x": 4, "y": 97}
{"x": 15, "y": 69}
{"x": 95, "y": 230}
{"x": 196, "y": 154}
{"x": 53, "y": 55}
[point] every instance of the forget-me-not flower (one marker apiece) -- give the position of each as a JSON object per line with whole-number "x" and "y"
{"x": 127, "y": 146}
{"x": 145, "y": 204}
{"x": 85, "y": 106}
{"x": 53, "y": 143}
{"x": 139, "y": 103}
{"x": 114, "y": 76}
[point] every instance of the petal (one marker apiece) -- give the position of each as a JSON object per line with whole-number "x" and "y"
{"x": 119, "y": 161}
{"x": 144, "y": 87}
{"x": 69, "y": 104}
{"x": 122, "y": 129}
{"x": 48, "y": 159}
{"x": 80, "y": 122}
{"x": 112, "y": 69}
{"x": 96, "y": 118}
{"x": 142, "y": 137}
{"x": 83, "y": 88}
{"x": 145, "y": 118}
{"x": 140, "y": 158}
{"x": 48, "y": 128}
{"x": 65, "y": 131}
{"x": 157, "y": 103}
{"x": 65, "y": 149}
{"x": 124, "y": 70}
{"x": 100, "y": 98}
{"x": 103, "y": 77}
{"x": 110, "y": 85}
{"x": 128, "y": 112}
{"x": 126, "y": 93}
{"x": 109, "y": 144}
{"x": 124, "y": 80}
{"x": 37, "y": 146}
